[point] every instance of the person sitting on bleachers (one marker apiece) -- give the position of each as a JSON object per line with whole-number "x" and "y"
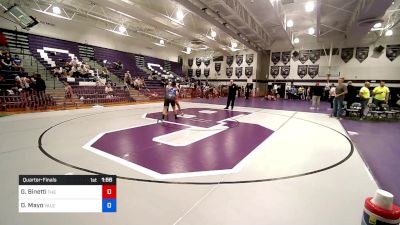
{"x": 74, "y": 62}
{"x": 58, "y": 72}
{"x": 6, "y": 62}
{"x": 17, "y": 64}
{"x": 74, "y": 71}
{"x": 23, "y": 85}
{"x": 83, "y": 70}
{"x": 3, "y": 85}
{"x": 118, "y": 65}
{"x": 109, "y": 91}
{"x": 127, "y": 79}
{"x": 105, "y": 73}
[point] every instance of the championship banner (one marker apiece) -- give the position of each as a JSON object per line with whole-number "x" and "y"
{"x": 286, "y": 57}
{"x": 198, "y": 62}
{"x": 229, "y": 60}
{"x": 239, "y": 60}
{"x": 304, "y": 56}
{"x": 274, "y": 71}
{"x": 248, "y": 71}
{"x": 190, "y": 72}
{"x": 238, "y": 72}
{"x": 249, "y": 59}
{"x": 362, "y": 53}
{"x": 206, "y": 62}
{"x": 275, "y": 57}
{"x": 285, "y": 70}
{"x": 207, "y": 72}
{"x": 347, "y": 54}
{"x": 198, "y": 72}
{"x": 313, "y": 70}
{"x": 229, "y": 71}
{"x": 302, "y": 71}
{"x": 217, "y": 67}
{"x": 315, "y": 55}
{"x": 392, "y": 51}
{"x": 190, "y": 62}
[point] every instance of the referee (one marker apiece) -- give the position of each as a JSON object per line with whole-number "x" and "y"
{"x": 232, "y": 88}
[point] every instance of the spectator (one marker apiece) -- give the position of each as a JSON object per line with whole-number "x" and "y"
{"x": 3, "y": 84}
{"x": 351, "y": 94}
{"x": 308, "y": 93}
{"x": 57, "y": 72}
{"x": 40, "y": 85}
{"x": 247, "y": 91}
{"x": 293, "y": 92}
{"x": 316, "y": 93}
{"x": 68, "y": 94}
{"x": 118, "y": 65}
{"x": 6, "y": 62}
{"x": 341, "y": 91}
{"x": 74, "y": 62}
{"x": 381, "y": 95}
{"x": 127, "y": 79}
{"x": 105, "y": 73}
{"x": 109, "y": 90}
{"x": 332, "y": 94}
{"x": 74, "y": 71}
{"x": 301, "y": 91}
{"x": 17, "y": 64}
{"x": 270, "y": 96}
{"x": 364, "y": 98}
{"x": 84, "y": 71}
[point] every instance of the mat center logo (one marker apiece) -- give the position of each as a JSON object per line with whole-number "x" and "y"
{"x": 201, "y": 142}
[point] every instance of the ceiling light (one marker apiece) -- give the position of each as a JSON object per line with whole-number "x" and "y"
{"x": 289, "y": 23}
{"x": 377, "y": 25}
{"x": 309, "y": 7}
{"x": 234, "y": 44}
{"x": 296, "y": 40}
{"x": 311, "y": 30}
{"x": 179, "y": 15}
{"x": 161, "y": 42}
{"x": 213, "y": 34}
{"x": 56, "y": 10}
{"x": 128, "y": 2}
{"x": 188, "y": 50}
{"x": 389, "y": 33}
{"x": 121, "y": 29}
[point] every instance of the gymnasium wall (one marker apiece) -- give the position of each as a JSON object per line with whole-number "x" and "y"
{"x": 80, "y": 30}
{"x": 374, "y": 67}
{"x": 220, "y": 77}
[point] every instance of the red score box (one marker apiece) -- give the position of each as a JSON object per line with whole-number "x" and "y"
{"x": 109, "y": 191}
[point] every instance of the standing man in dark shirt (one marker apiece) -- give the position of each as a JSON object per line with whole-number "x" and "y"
{"x": 341, "y": 91}
{"x": 40, "y": 85}
{"x": 351, "y": 94}
{"x": 247, "y": 91}
{"x": 232, "y": 88}
{"x": 316, "y": 93}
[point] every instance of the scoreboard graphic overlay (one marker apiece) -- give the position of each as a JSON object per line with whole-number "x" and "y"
{"x": 67, "y": 193}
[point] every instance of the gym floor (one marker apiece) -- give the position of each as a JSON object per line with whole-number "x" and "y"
{"x": 251, "y": 165}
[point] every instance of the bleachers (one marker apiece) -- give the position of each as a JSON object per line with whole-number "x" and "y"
{"x": 55, "y": 52}
{"x": 41, "y": 43}
{"x": 96, "y": 94}
{"x": 25, "y": 101}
